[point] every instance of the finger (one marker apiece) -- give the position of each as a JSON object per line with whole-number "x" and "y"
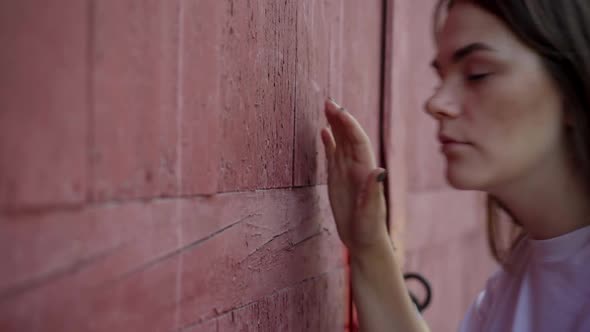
{"x": 359, "y": 145}
{"x": 353, "y": 130}
{"x": 332, "y": 105}
{"x": 329, "y": 144}
{"x": 333, "y": 115}
{"x": 372, "y": 189}
{"x": 351, "y": 139}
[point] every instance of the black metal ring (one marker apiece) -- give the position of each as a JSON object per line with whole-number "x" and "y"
{"x": 427, "y": 288}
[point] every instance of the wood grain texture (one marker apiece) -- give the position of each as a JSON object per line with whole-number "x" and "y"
{"x": 362, "y": 64}
{"x": 134, "y": 87}
{"x": 318, "y": 75}
{"x": 338, "y": 56}
{"x": 257, "y": 68}
{"x": 203, "y": 256}
{"x": 269, "y": 241}
{"x": 103, "y": 268}
{"x": 136, "y": 302}
{"x": 44, "y": 104}
{"x": 314, "y": 304}
{"x": 90, "y": 246}
{"x": 201, "y": 46}
{"x": 198, "y": 175}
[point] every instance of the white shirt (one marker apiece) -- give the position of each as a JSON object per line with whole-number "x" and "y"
{"x": 547, "y": 290}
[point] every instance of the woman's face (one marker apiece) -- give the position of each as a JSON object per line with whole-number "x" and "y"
{"x": 496, "y": 99}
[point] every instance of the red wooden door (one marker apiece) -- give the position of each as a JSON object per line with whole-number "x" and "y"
{"x": 161, "y": 167}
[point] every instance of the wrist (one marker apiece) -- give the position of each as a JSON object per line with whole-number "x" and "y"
{"x": 380, "y": 248}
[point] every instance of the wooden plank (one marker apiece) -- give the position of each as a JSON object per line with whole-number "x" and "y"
{"x": 105, "y": 268}
{"x": 257, "y": 95}
{"x": 44, "y": 99}
{"x": 137, "y": 302}
{"x": 93, "y": 244}
{"x": 272, "y": 241}
{"x": 362, "y": 58}
{"x": 134, "y": 118}
{"x": 200, "y": 94}
{"x": 315, "y": 304}
{"x": 317, "y": 48}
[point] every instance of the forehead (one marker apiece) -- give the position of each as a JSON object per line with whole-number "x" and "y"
{"x": 467, "y": 23}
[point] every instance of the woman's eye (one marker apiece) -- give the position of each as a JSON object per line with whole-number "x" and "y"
{"x": 477, "y": 77}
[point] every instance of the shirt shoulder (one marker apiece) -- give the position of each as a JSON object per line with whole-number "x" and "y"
{"x": 478, "y": 310}
{"x": 496, "y": 284}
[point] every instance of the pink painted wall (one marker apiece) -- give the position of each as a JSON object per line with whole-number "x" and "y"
{"x": 161, "y": 168}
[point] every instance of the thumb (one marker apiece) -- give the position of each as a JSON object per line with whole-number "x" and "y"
{"x": 372, "y": 188}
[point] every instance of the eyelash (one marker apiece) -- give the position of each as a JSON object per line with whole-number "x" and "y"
{"x": 477, "y": 77}
{"x": 473, "y": 79}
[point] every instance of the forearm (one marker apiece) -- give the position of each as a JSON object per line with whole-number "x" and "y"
{"x": 380, "y": 294}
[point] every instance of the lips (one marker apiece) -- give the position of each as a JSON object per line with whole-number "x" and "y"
{"x": 452, "y": 146}
{"x": 447, "y": 139}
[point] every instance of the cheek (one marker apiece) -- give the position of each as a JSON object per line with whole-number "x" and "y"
{"x": 514, "y": 122}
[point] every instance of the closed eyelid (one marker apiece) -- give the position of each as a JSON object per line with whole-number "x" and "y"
{"x": 465, "y": 52}
{"x": 477, "y": 69}
{"x": 485, "y": 61}
{"x": 475, "y": 66}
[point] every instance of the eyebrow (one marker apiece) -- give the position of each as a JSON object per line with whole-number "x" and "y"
{"x": 463, "y": 52}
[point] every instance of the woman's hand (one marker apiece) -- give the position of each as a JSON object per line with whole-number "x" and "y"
{"x": 358, "y": 205}
{"x": 354, "y": 182}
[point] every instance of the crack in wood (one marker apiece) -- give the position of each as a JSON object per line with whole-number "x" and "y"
{"x": 212, "y": 235}
{"x": 263, "y": 245}
{"x": 291, "y": 245}
{"x": 298, "y": 243}
{"x": 61, "y": 272}
{"x": 83, "y": 263}
{"x": 189, "y": 246}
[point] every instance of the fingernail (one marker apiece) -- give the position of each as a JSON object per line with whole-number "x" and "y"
{"x": 382, "y": 176}
{"x": 334, "y": 102}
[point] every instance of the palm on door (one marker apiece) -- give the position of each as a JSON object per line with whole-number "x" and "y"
{"x": 354, "y": 188}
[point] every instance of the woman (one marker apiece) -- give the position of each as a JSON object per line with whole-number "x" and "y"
{"x": 513, "y": 108}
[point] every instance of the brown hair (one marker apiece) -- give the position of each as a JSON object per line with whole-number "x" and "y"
{"x": 559, "y": 32}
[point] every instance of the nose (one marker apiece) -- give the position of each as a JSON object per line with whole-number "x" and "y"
{"x": 443, "y": 104}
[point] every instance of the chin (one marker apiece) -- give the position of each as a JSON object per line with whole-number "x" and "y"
{"x": 466, "y": 180}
